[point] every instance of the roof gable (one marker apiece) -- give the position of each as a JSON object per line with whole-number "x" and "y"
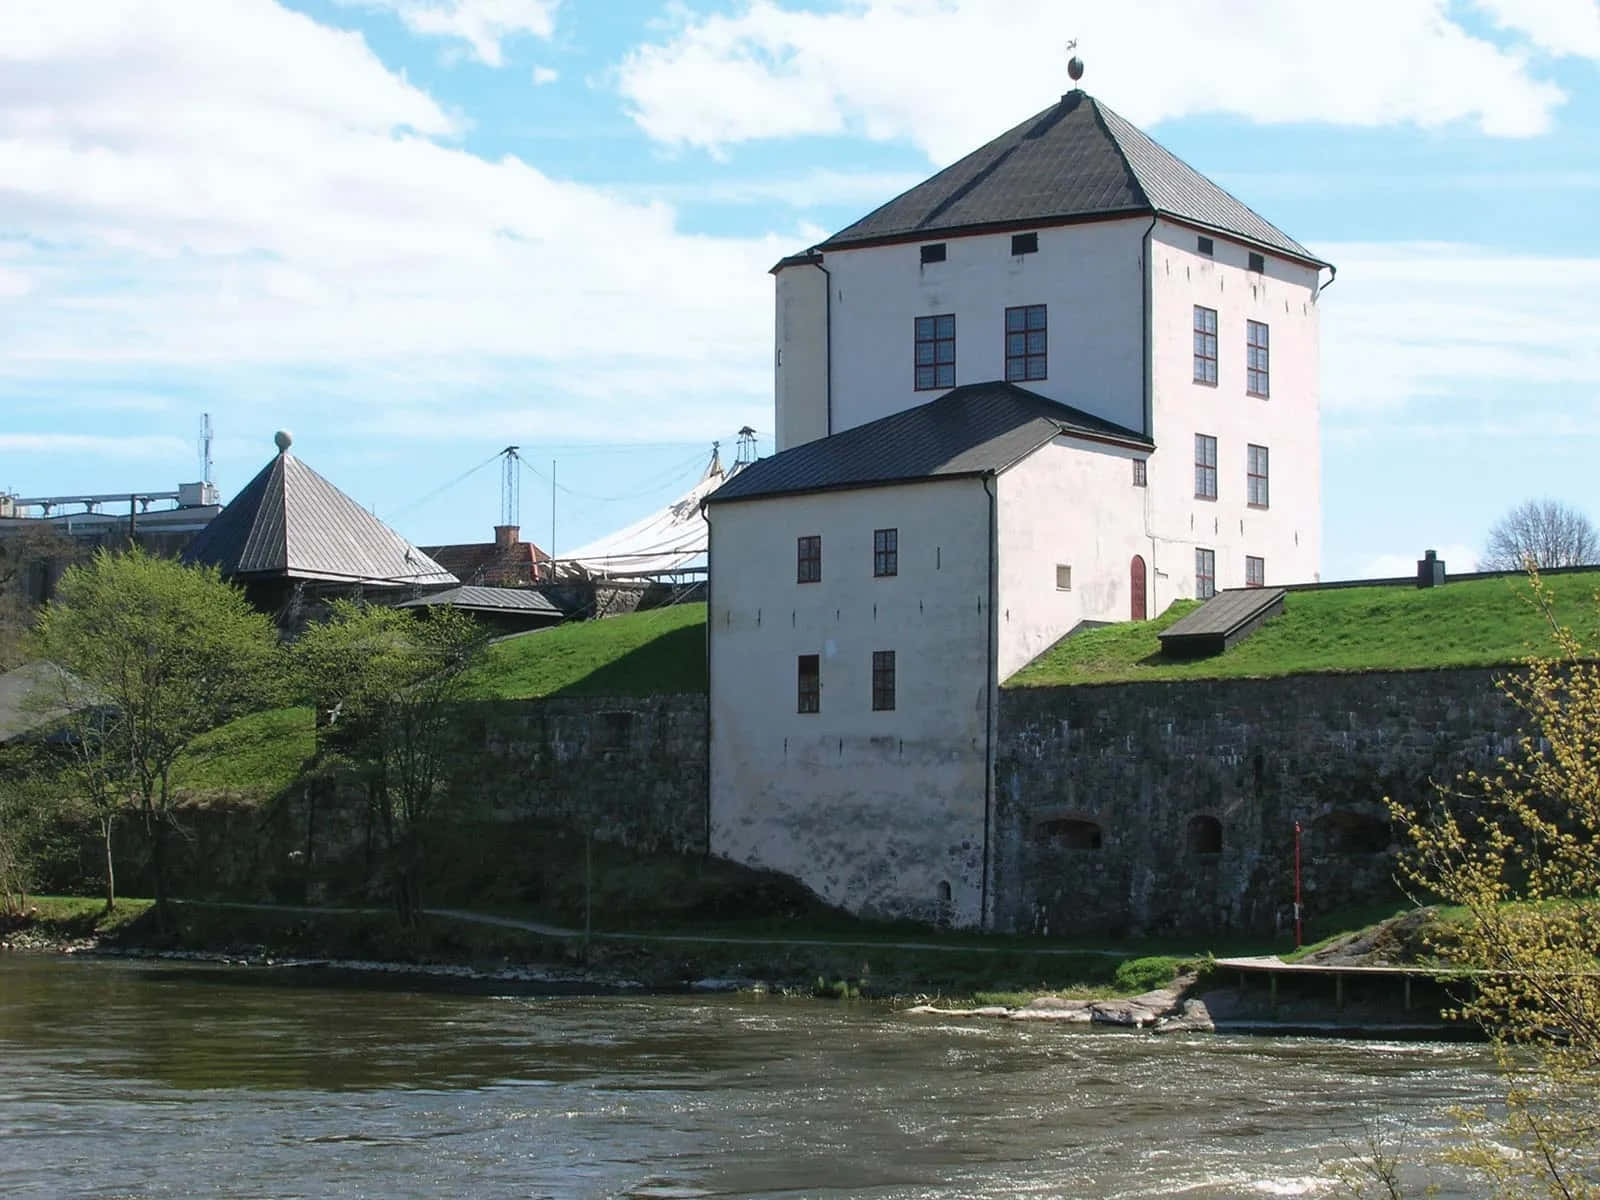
{"x": 291, "y": 522}
{"x": 1076, "y": 160}
{"x": 975, "y": 429}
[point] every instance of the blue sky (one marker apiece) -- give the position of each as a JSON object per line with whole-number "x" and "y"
{"x": 414, "y": 231}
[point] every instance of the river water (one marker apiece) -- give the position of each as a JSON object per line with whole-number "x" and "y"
{"x": 123, "y": 1080}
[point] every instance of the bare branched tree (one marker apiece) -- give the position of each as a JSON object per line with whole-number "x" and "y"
{"x": 1545, "y": 533}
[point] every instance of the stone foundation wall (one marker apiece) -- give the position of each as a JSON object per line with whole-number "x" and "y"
{"x": 1171, "y": 806}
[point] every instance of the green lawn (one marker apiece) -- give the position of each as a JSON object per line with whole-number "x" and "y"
{"x": 653, "y": 653}
{"x": 258, "y": 755}
{"x": 1482, "y": 622}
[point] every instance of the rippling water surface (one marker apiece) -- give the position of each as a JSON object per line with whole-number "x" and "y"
{"x": 131, "y": 1080}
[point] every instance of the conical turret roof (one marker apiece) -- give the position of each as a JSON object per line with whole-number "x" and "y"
{"x": 1075, "y": 161}
{"x": 291, "y": 523}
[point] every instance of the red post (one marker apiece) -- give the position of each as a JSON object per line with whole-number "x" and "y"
{"x": 1298, "y": 939}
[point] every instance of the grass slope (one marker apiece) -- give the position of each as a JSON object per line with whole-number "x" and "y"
{"x": 1481, "y": 622}
{"x": 653, "y": 653}
{"x": 255, "y": 756}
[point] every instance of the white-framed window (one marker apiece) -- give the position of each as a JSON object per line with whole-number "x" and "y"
{"x": 1255, "y": 571}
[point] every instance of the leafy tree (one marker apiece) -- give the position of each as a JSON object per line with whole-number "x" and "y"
{"x": 1543, "y": 533}
{"x": 172, "y": 651}
{"x": 1518, "y": 848}
{"x": 384, "y": 683}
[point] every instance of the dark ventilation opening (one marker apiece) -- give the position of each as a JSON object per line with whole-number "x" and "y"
{"x": 1205, "y": 835}
{"x": 1072, "y": 834}
{"x": 1207, "y": 248}
{"x": 1024, "y": 243}
{"x": 933, "y": 252}
{"x": 1257, "y": 263}
{"x": 1355, "y": 833}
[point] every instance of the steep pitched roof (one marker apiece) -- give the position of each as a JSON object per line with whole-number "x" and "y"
{"x": 975, "y": 429}
{"x": 289, "y": 522}
{"x": 1076, "y": 160}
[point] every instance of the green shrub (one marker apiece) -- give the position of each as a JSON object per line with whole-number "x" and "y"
{"x": 1147, "y": 974}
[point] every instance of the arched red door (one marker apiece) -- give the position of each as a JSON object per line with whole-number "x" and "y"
{"x": 1136, "y": 587}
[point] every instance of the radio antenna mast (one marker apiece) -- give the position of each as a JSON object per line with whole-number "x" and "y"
{"x": 510, "y": 487}
{"x": 205, "y": 448}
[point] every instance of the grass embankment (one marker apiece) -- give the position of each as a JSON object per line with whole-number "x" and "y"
{"x": 255, "y": 757}
{"x": 659, "y": 652}
{"x": 1470, "y": 623}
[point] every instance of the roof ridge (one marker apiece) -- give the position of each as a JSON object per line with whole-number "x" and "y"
{"x": 1116, "y": 144}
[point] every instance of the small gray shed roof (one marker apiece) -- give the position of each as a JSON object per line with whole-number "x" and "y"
{"x": 289, "y": 522}
{"x": 488, "y": 599}
{"x": 1222, "y": 620}
{"x": 1077, "y": 160}
{"x": 976, "y": 429}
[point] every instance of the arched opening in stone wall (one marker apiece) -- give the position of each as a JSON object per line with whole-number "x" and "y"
{"x": 1072, "y": 833}
{"x": 1346, "y": 832}
{"x": 1204, "y": 835}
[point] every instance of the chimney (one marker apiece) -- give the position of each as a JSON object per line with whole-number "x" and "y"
{"x": 1430, "y": 570}
{"x": 507, "y": 536}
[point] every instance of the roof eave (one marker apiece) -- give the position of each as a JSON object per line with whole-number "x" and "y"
{"x": 717, "y": 497}
{"x": 1233, "y": 235}
{"x": 984, "y": 227}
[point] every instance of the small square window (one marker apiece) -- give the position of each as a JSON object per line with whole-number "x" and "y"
{"x": 1063, "y": 577}
{"x": 883, "y": 681}
{"x": 1024, "y": 243}
{"x": 1141, "y": 475}
{"x": 808, "y": 559}
{"x": 933, "y": 252}
{"x": 885, "y": 552}
{"x": 1255, "y": 571}
{"x": 1258, "y": 264}
{"x": 1206, "y": 247}
{"x": 809, "y": 678}
{"x": 1205, "y": 574}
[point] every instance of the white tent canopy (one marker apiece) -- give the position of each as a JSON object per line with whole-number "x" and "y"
{"x": 670, "y": 539}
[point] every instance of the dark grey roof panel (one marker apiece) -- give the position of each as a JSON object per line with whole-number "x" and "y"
{"x": 290, "y": 522}
{"x": 974, "y": 429}
{"x": 489, "y": 599}
{"x": 1076, "y": 160}
{"x": 1223, "y": 613}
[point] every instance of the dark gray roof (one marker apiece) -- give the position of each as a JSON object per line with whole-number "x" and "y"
{"x": 289, "y": 522}
{"x": 488, "y": 599}
{"x": 37, "y": 694}
{"x": 1076, "y": 160}
{"x": 1223, "y": 613}
{"x": 975, "y": 429}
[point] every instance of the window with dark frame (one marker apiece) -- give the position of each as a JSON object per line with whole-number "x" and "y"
{"x": 1257, "y": 380}
{"x": 1205, "y": 574}
{"x": 808, "y": 559}
{"x": 1206, "y": 247}
{"x": 933, "y": 252}
{"x": 1026, "y": 343}
{"x": 809, "y": 681}
{"x": 1141, "y": 476}
{"x": 1255, "y": 571}
{"x": 935, "y": 359}
{"x": 1255, "y": 476}
{"x": 1205, "y": 467}
{"x": 885, "y": 552}
{"x": 1205, "y": 345}
{"x": 1258, "y": 264}
{"x": 882, "y": 680}
{"x": 1024, "y": 243}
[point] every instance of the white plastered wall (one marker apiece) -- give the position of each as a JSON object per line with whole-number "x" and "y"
{"x": 1071, "y": 503}
{"x": 872, "y": 810}
{"x": 1089, "y": 276}
{"x": 800, "y": 361}
{"x": 1288, "y": 533}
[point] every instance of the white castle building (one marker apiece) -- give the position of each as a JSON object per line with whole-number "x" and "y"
{"x": 1066, "y": 379}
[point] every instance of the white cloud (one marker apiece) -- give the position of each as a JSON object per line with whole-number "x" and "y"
{"x": 192, "y": 207}
{"x": 885, "y": 68}
{"x": 544, "y": 75}
{"x": 1554, "y": 26}
{"x": 482, "y": 24}
{"x": 1421, "y": 320}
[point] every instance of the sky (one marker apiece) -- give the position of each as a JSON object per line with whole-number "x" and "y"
{"x": 416, "y": 231}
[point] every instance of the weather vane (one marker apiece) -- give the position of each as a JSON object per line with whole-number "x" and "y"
{"x": 1074, "y": 63}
